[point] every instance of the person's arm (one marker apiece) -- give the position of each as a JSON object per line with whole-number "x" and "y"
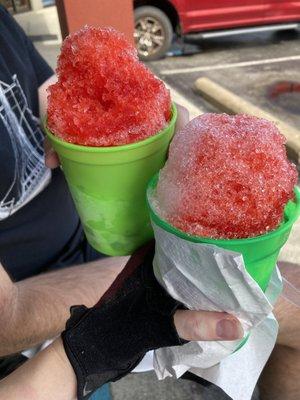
{"x": 37, "y": 308}
{"x": 50, "y": 376}
{"x": 105, "y": 342}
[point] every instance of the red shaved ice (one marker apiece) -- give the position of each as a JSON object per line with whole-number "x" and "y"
{"x": 226, "y": 177}
{"x": 104, "y": 96}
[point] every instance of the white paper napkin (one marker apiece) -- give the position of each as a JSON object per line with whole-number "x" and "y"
{"x": 206, "y": 277}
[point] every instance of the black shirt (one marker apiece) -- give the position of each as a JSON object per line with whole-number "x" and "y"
{"x": 39, "y": 227}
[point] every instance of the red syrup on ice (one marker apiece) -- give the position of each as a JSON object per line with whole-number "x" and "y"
{"x": 104, "y": 96}
{"x": 226, "y": 177}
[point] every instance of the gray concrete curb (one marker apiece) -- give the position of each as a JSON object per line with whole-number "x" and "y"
{"x": 229, "y": 102}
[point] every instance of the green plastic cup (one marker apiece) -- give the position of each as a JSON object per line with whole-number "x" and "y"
{"x": 108, "y": 186}
{"x": 260, "y": 253}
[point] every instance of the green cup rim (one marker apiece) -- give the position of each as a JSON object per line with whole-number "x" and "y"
{"x": 110, "y": 149}
{"x": 285, "y": 225}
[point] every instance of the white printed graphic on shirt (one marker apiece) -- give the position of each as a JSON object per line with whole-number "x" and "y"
{"x": 30, "y": 174}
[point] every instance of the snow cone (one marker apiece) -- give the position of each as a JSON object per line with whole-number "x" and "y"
{"x": 111, "y": 121}
{"x": 228, "y": 183}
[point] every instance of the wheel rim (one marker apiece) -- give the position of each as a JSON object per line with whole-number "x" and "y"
{"x": 149, "y": 36}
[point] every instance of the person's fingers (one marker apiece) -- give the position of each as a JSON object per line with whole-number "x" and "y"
{"x": 51, "y": 157}
{"x": 182, "y": 117}
{"x": 207, "y": 325}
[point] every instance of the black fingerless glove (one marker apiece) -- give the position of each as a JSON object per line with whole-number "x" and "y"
{"x": 107, "y": 341}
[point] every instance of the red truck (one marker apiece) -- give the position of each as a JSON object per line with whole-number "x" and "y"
{"x": 156, "y": 21}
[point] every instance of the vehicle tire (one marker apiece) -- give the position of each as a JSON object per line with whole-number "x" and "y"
{"x": 153, "y": 32}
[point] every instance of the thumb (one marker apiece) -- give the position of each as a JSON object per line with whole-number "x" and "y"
{"x": 207, "y": 325}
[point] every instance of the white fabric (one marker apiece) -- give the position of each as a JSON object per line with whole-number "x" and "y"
{"x": 31, "y": 176}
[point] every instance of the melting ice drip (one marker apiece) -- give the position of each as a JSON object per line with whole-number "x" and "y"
{"x": 30, "y": 174}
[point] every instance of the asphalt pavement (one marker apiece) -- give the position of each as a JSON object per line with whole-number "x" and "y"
{"x": 249, "y": 65}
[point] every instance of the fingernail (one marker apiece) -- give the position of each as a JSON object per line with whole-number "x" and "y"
{"x": 228, "y": 329}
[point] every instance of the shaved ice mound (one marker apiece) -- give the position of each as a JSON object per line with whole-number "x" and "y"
{"x": 104, "y": 96}
{"x": 226, "y": 177}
